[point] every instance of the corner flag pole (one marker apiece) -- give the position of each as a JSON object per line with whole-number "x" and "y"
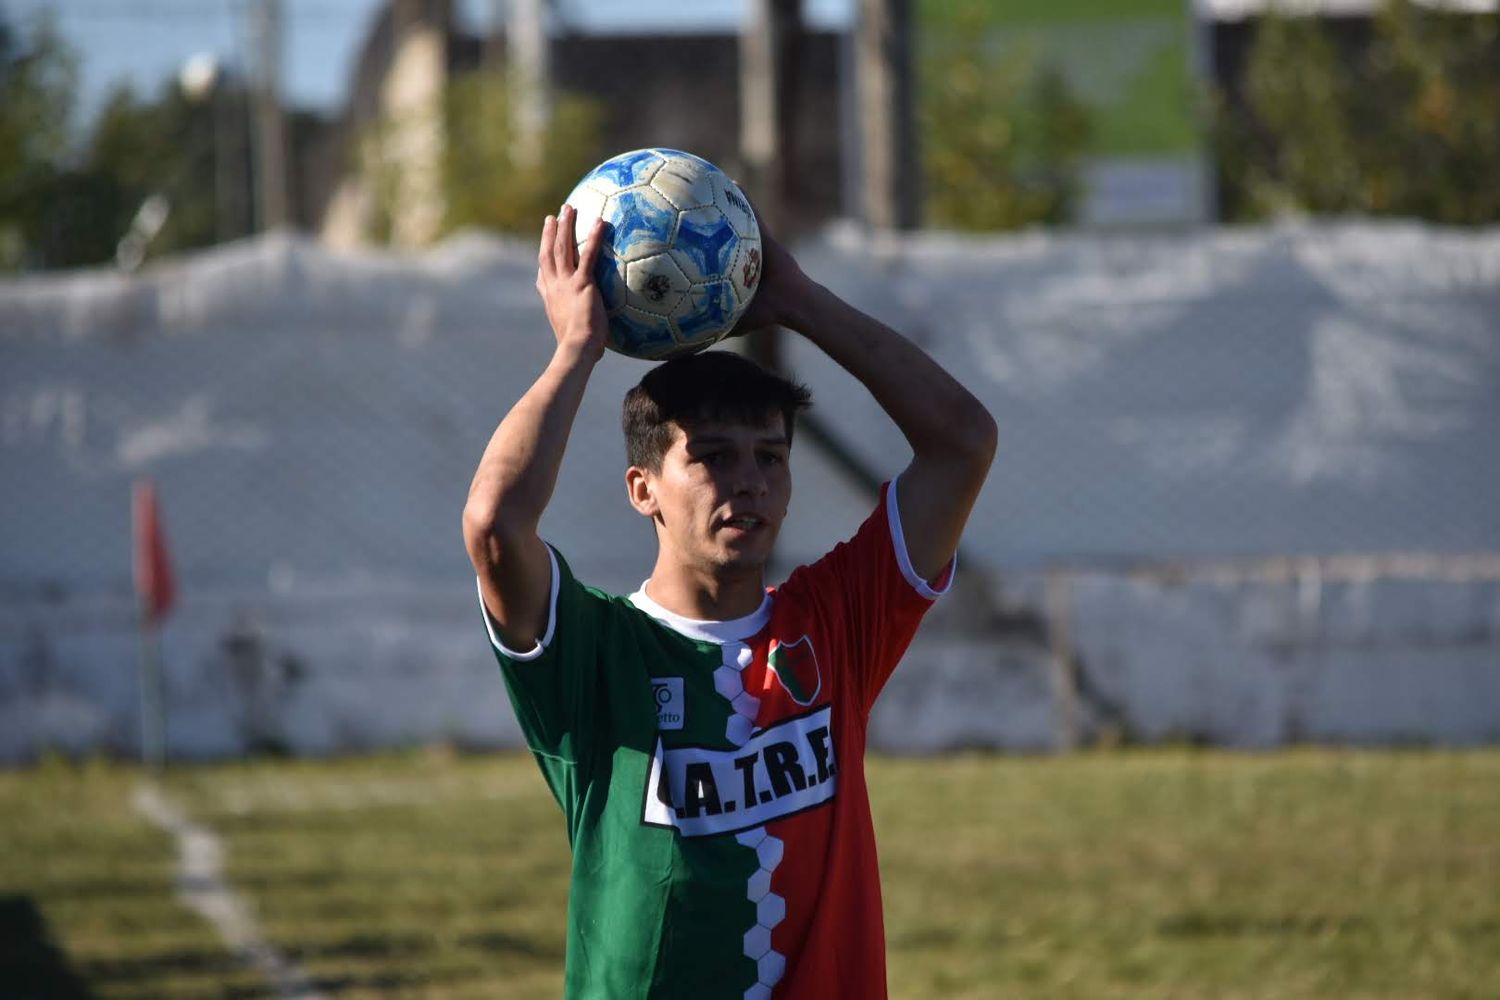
{"x": 155, "y": 592}
{"x": 153, "y": 717}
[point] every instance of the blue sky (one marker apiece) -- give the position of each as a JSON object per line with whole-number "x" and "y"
{"x": 147, "y": 41}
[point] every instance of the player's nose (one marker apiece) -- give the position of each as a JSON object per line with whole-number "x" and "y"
{"x": 749, "y": 478}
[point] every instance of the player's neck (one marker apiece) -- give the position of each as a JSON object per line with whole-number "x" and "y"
{"x": 715, "y": 597}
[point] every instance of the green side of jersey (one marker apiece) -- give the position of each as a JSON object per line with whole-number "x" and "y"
{"x": 649, "y": 912}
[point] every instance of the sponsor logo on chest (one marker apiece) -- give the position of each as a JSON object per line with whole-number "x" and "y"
{"x": 670, "y": 709}
{"x": 781, "y": 770}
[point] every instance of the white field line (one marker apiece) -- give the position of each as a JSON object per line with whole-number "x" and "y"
{"x": 202, "y": 887}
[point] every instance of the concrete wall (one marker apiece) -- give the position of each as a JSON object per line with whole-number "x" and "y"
{"x": 313, "y": 673}
{"x": 1235, "y": 659}
{"x": 1245, "y": 658}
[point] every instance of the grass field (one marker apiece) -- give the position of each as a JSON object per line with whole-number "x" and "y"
{"x": 1133, "y": 874}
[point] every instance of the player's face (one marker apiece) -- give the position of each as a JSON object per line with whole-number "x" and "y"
{"x": 722, "y": 493}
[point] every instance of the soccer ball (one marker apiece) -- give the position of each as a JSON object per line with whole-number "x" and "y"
{"x": 681, "y": 257}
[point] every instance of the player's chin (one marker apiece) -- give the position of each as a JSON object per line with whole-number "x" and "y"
{"x": 751, "y": 551}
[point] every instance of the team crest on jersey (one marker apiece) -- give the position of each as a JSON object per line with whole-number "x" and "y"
{"x": 795, "y": 665}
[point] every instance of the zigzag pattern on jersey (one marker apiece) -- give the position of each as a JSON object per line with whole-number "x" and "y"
{"x": 729, "y": 683}
{"x": 770, "y": 909}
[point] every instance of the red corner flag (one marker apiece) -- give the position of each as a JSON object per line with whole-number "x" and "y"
{"x": 153, "y": 570}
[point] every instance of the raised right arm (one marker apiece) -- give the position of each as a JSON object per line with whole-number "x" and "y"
{"x": 518, "y": 471}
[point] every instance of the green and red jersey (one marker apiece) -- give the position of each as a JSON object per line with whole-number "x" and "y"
{"x": 712, "y": 776}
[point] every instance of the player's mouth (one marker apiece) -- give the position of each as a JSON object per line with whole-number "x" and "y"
{"x": 744, "y": 523}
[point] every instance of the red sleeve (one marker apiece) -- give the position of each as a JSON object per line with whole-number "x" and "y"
{"x": 868, "y": 593}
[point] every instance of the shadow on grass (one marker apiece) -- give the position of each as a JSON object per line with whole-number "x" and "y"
{"x": 162, "y": 965}
{"x": 1230, "y": 925}
{"x": 108, "y": 887}
{"x": 408, "y": 947}
{"x": 379, "y": 982}
{"x": 31, "y": 963}
{"x": 362, "y": 945}
{"x": 496, "y": 942}
{"x": 413, "y": 944}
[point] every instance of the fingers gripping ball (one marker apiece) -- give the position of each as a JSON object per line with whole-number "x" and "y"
{"x": 681, "y": 256}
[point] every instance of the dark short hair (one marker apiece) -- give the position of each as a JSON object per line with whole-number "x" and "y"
{"x": 717, "y": 386}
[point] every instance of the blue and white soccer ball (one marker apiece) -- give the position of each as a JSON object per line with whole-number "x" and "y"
{"x": 682, "y": 257}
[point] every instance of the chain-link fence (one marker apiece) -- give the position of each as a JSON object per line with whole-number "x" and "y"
{"x": 312, "y": 422}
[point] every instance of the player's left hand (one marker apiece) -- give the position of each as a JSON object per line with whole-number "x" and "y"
{"x": 783, "y": 286}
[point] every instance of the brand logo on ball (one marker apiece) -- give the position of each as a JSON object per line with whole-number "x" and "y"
{"x": 667, "y": 692}
{"x": 796, "y": 667}
{"x": 752, "y": 268}
{"x": 733, "y": 197}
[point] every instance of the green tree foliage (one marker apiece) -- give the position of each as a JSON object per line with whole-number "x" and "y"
{"x": 66, "y": 201}
{"x": 484, "y": 182}
{"x": 1405, "y": 125}
{"x": 169, "y": 146}
{"x": 38, "y": 79}
{"x": 1002, "y": 137}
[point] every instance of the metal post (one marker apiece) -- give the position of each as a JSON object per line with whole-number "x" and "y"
{"x": 530, "y": 78}
{"x": 1058, "y": 602}
{"x": 153, "y": 701}
{"x": 224, "y": 200}
{"x": 1202, "y": 72}
{"x": 887, "y": 113}
{"x": 272, "y": 201}
{"x": 769, "y": 84}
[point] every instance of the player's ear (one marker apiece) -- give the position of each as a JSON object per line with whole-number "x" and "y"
{"x": 641, "y": 490}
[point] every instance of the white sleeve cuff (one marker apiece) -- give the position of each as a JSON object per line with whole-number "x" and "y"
{"x": 903, "y": 558}
{"x": 545, "y": 640}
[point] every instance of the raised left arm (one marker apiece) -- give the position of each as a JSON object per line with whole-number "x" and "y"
{"x": 952, "y": 435}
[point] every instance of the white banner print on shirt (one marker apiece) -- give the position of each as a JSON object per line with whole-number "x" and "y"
{"x": 780, "y": 770}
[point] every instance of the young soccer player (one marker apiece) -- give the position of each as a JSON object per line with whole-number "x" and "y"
{"x": 705, "y": 735}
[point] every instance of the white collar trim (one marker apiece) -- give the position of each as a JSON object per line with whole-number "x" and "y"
{"x": 734, "y": 630}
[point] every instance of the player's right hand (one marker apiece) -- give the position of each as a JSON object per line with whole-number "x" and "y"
{"x": 565, "y": 281}
{"x": 784, "y": 286}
